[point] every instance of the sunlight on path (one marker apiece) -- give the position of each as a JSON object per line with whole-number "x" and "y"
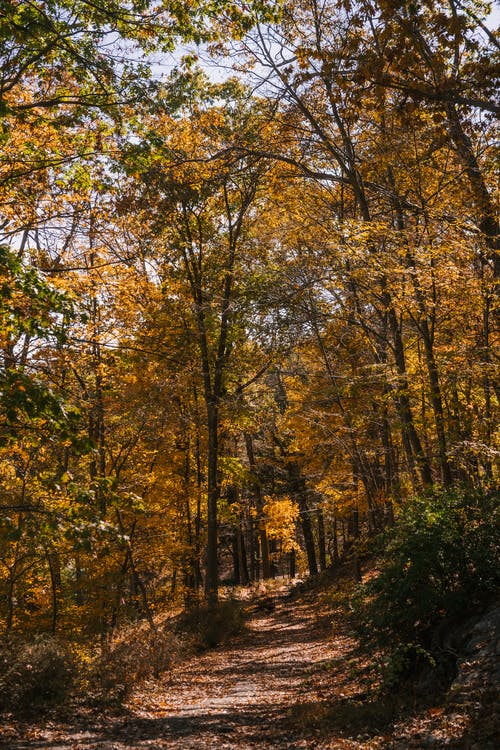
{"x": 242, "y": 696}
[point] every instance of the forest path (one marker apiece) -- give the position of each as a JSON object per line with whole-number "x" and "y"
{"x": 254, "y": 692}
{"x": 247, "y": 694}
{"x": 294, "y": 678}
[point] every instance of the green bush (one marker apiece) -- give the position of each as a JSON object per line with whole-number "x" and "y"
{"x": 35, "y": 673}
{"x": 403, "y": 661}
{"x": 439, "y": 561}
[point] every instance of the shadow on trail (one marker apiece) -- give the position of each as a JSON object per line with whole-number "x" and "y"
{"x": 261, "y": 725}
{"x": 256, "y": 692}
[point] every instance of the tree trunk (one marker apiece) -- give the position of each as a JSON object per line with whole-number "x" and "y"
{"x": 335, "y": 550}
{"x": 321, "y": 539}
{"x": 487, "y": 211}
{"x": 236, "y": 559}
{"x": 55, "y": 581}
{"x": 211, "y": 580}
{"x": 298, "y": 493}
{"x": 411, "y": 440}
{"x": 242, "y": 558}
{"x": 259, "y": 504}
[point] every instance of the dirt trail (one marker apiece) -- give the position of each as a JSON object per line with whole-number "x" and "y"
{"x": 247, "y": 694}
{"x": 295, "y": 678}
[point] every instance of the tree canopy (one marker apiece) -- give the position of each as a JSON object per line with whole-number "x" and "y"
{"x": 243, "y": 320}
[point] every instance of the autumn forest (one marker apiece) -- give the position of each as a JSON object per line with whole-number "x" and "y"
{"x": 249, "y": 317}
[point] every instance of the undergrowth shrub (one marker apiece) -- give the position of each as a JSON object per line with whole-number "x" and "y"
{"x": 439, "y": 562}
{"x": 403, "y": 661}
{"x": 135, "y": 655}
{"x": 35, "y": 673}
{"x": 208, "y": 626}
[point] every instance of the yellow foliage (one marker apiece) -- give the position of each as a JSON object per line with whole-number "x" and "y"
{"x": 280, "y": 516}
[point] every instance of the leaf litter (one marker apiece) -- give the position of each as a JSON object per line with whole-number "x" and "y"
{"x": 294, "y": 678}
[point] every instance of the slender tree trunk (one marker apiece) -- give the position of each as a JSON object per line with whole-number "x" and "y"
{"x": 253, "y": 543}
{"x": 321, "y": 539}
{"x": 211, "y": 580}
{"x": 335, "y": 551}
{"x": 242, "y": 558}
{"x": 236, "y": 559}
{"x": 55, "y": 582}
{"x": 199, "y": 491}
{"x": 424, "y": 326}
{"x": 259, "y": 504}
{"x": 10, "y": 597}
{"x": 298, "y": 493}
{"x": 136, "y": 578}
{"x": 486, "y": 208}
{"x": 437, "y": 403}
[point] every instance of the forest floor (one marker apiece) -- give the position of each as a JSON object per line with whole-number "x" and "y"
{"x": 295, "y": 678}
